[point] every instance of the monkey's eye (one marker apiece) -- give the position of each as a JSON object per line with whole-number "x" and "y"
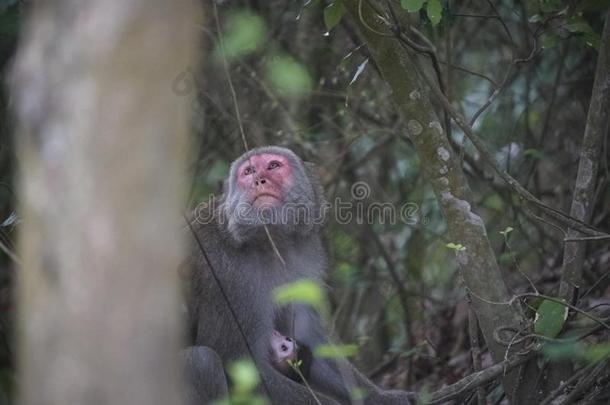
{"x": 249, "y": 170}
{"x": 274, "y": 165}
{"x": 284, "y": 348}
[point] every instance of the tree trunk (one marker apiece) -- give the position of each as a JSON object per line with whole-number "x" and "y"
{"x": 590, "y": 153}
{"x": 442, "y": 169}
{"x": 583, "y": 199}
{"x": 102, "y": 142}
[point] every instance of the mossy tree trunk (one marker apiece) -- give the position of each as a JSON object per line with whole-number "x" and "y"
{"x": 441, "y": 166}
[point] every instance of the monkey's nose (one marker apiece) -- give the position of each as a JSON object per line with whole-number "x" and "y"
{"x": 259, "y": 182}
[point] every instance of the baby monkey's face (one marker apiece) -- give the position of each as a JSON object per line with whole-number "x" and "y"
{"x": 283, "y": 349}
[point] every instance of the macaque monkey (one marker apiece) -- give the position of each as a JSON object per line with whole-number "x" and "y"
{"x": 288, "y": 355}
{"x": 263, "y": 232}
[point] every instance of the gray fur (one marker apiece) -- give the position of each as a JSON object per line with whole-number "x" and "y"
{"x": 248, "y": 270}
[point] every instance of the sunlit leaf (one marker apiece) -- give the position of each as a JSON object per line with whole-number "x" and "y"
{"x": 535, "y": 153}
{"x": 288, "y": 76}
{"x": 412, "y": 5}
{"x": 244, "y": 33}
{"x": 333, "y": 14}
{"x": 550, "y": 318}
{"x": 506, "y": 231}
{"x": 495, "y": 202}
{"x": 358, "y": 394}
{"x": 244, "y": 376}
{"x": 301, "y": 291}
{"x": 458, "y": 247}
{"x": 434, "y": 11}
{"x": 329, "y": 351}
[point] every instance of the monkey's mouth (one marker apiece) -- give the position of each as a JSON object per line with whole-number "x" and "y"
{"x": 266, "y": 199}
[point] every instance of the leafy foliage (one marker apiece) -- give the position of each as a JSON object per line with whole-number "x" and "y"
{"x": 550, "y": 318}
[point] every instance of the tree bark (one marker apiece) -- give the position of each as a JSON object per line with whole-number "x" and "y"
{"x": 442, "y": 169}
{"x": 583, "y": 199}
{"x": 102, "y": 142}
{"x": 588, "y": 165}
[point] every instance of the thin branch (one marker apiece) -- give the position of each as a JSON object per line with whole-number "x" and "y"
{"x": 586, "y": 382}
{"x": 512, "y": 182}
{"x": 475, "y": 350}
{"x": 575, "y": 377}
{"x": 225, "y": 65}
{"x": 475, "y": 380}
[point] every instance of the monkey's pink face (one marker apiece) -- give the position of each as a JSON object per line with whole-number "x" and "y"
{"x": 263, "y": 178}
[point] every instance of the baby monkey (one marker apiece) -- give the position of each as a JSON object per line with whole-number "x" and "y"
{"x": 288, "y": 356}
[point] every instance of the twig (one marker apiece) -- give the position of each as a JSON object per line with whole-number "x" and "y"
{"x": 10, "y": 253}
{"x": 556, "y": 392}
{"x": 475, "y": 380}
{"x": 225, "y": 65}
{"x": 475, "y": 350}
{"x": 225, "y": 297}
{"x": 400, "y": 288}
{"x": 488, "y": 158}
{"x": 586, "y": 382}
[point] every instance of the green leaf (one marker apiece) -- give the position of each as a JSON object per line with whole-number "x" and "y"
{"x": 562, "y": 351}
{"x": 288, "y": 76}
{"x": 506, "y": 231}
{"x": 549, "y": 40}
{"x": 412, "y": 5}
{"x": 550, "y": 318}
{"x": 328, "y": 351}
{"x": 244, "y": 376}
{"x": 592, "y": 39}
{"x": 333, "y": 14}
{"x": 576, "y": 351}
{"x": 494, "y": 202}
{"x": 596, "y": 353}
{"x": 302, "y": 291}
{"x": 244, "y": 34}
{"x": 358, "y": 394}
{"x": 579, "y": 26}
{"x": 456, "y": 246}
{"x": 434, "y": 10}
{"x": 534, "y": 153}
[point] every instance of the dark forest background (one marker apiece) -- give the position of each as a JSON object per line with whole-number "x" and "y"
{"x": 303, "y": 77}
